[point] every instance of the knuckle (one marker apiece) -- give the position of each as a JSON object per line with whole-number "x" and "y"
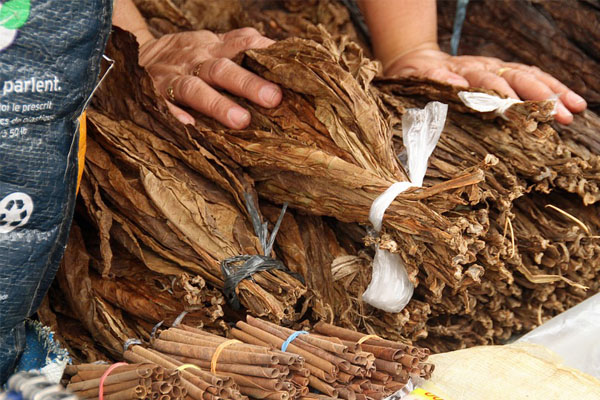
{"x": 216, "y": 105}
{"x": 492, "y": 81}
{"x": 185, "y": 87}
{"x": 250, "y": 42}
{"x": 218, "y": 68}
{"x": 521, "y": 78}
{"x": 436, "y": 74}
{"x": 247, "y": 31}
{"x": 535, "y": 69}
{"x": 243, "y": 82}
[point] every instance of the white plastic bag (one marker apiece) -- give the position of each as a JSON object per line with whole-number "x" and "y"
{"x": 484, "y": 102}
{"x": 390, "y": 289}
{"x": 574, "y": 335}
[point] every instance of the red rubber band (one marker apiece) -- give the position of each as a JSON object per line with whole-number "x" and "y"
{"x": 103, "y": 377}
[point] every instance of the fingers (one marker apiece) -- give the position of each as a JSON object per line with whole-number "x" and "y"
{"x": 570, "y": 99}
{"x": 529, "y": 87}
{"x": 192, "y": 92}
{"x": 489, "y": 80}
{"x": 181, "y": 115}
{"x": 240, "y": 40}
{"x": 226, "y": 74}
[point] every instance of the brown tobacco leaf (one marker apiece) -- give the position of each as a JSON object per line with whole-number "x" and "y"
{"x": 205, "y": 224}
{"x": 351, "y": 114}
{"x": 164, "y": 9}
{"x": 104, "y": 323}
{"x": 544, "y": 159}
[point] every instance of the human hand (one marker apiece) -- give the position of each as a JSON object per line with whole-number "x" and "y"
{"x": 187, "y": 67}
{"x": 510, "y": 79}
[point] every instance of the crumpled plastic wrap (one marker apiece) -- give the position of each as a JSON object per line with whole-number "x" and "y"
{"x": 574, "y": 335}
{"x": 390, "y": 288}
{"x": 484, "y": 102}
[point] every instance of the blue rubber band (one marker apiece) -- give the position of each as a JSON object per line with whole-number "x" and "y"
{"x": 289, "y": 340}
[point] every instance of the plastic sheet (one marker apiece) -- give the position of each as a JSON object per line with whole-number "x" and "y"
{"x": 390, "y": 289}
{"x": 574, "y": 335}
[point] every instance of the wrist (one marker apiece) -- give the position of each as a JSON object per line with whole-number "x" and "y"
{"x": 393, "y": 58}
{"x": 142, "y": 35}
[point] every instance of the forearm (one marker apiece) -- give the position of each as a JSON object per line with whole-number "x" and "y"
{"x": 126, "y": 16}
{"x": 398, "y": 27}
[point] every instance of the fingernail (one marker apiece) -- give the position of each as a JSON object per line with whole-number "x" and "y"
{"x": 561, "y": 109}
{"x": 456, "y": 82}
{"x": 575, "y": 98}
{"x": 186, "y": 119}
{"x": 238, "y": 116}
{"x": 269, "y": 94}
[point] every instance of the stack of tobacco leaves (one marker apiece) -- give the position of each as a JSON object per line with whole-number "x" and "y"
{"x": 488, "y": 258}
{"x": 129, "y": 381}
{"x": 224, "y": 368}
{"x": 181, "y": 218}
{"x": 537, "y": 248}
{"x": 340, "y": 167}
{"x": 128, "y": 304}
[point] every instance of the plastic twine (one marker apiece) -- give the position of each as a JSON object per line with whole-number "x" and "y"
{"x": 237, "y": 268}
{"x": 179, "y": 318}
{"x": 130, "y": 342}
{"x": 217, "y": 353}
{"x": 104, "y": 376}
{"x": 367, "y": 337}
{"x": 291, "y": 338}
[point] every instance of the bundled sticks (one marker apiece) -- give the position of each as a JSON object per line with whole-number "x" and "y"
{"x": 126, "y": 381}
{"x": 340, "y": 362}
{"x": 227, "y": 368}
{"x": 264, "y": 361}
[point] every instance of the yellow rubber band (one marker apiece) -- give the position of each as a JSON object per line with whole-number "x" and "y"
{"x": 219, "y": 349}
{"x": 367, "y": 337}
{"x": 186, "y": 366}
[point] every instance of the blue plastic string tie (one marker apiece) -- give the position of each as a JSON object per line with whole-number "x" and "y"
{"x": 459, "y": 19}
{"x": 291, "y": 338}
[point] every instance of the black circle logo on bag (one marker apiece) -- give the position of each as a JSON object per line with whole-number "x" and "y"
{"x": 15, "y": 211}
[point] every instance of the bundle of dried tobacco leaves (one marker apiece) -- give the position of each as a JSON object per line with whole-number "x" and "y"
{"x": 502, "y": 236}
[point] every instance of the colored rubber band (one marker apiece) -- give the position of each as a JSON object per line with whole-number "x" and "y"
{"x": 291, "y": 338}
{"x": 186, "y": 366}
{"x": 220, "y": 348}
{"x": 104, "y": 376}
{"x": 367, "y": 337}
